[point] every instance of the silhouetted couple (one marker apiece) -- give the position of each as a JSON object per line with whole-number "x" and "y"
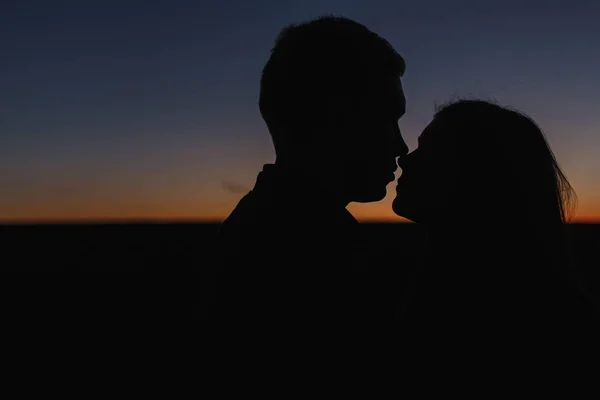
{"x": 483, "y": 182}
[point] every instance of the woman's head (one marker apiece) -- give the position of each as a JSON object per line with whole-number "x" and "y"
{"x": 479, "y": 160}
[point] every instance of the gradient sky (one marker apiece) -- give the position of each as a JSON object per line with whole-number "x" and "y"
{"x": 149, "y": 109}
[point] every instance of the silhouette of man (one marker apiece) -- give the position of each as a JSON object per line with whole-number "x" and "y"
{"x": 331, "y": 97}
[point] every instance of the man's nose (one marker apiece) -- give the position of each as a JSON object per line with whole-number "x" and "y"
{"x": 400, "y": 147}
{"x": 403, "y": 148}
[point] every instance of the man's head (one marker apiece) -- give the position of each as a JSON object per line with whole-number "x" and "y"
{"x": 331, "y": 97}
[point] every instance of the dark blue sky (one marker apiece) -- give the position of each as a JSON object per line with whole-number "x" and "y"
{"x": 149, "y": 108}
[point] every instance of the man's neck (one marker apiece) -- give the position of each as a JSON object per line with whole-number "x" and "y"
{"x": 311, "y": 183}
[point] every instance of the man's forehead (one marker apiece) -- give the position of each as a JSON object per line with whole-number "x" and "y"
{"x": 386, "y": 95}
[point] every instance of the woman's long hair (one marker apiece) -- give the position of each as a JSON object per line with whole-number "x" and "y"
{"x": 517, "y": 175}
{"x": 512, "y": 151}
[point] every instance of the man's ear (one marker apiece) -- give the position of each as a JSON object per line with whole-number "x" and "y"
{"x": 337, "y": 112}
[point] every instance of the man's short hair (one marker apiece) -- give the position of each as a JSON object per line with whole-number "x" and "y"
{"x": 312, "y": 61}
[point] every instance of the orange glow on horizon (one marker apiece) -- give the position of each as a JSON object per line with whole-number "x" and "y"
{"x": 183, "y": 206}
{"x": 167, "y": 217}
{"x": 192, "y": 220}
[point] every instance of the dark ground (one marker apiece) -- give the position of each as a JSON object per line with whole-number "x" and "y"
{"x": 183, "y": 247}
{"x": 179, "y": 254}
{"x": 165, "y": 248}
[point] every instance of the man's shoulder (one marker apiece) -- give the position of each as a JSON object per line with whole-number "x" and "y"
{"x": 244, "y": 212}
{"x": 254, "y": 209}
{"x": 264, "y": 211}
{"x": 252, "y": 215}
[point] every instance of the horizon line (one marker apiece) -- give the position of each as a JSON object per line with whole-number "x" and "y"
{"x": 187, "y": 220}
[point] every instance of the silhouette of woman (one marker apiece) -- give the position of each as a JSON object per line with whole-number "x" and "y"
{"x": 494, "y": 203}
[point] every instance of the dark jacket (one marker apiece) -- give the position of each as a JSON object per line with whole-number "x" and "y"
{"x": 290, "y": 260}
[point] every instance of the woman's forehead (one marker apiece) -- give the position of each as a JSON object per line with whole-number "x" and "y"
{"x": 437, "y": 132}
{"x": 429, "y": 130}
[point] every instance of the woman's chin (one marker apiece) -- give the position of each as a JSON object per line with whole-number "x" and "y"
{"x": 405, "y": 211}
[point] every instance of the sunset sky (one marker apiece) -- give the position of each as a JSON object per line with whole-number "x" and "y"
{"x": 149, "y": 109}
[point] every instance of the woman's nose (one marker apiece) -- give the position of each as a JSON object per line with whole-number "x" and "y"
{"x": 405, "y": 160}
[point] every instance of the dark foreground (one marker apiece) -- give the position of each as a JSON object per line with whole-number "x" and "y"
{"x": 181, "y": 257}
{"x": 186, "y": 247}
